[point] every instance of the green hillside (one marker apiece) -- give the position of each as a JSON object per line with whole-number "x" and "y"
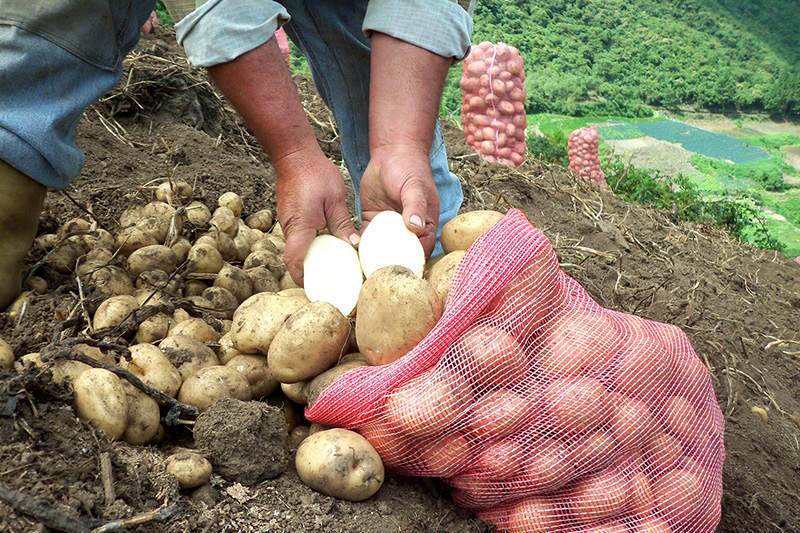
{"x": 620, "y": 56}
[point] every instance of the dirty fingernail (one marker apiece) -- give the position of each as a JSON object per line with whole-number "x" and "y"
{"x": 354, "y": 239}
{"x": 415, "y": 220}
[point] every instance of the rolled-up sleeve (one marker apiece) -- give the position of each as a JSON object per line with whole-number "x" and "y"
{"x": 443, "y": 27}
{"x": 221, "y": 30}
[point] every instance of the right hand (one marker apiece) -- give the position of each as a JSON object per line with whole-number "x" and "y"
{"x": 310, "y": 196}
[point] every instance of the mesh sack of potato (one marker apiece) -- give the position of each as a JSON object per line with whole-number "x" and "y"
{"x": 493, "y": 103}
{"x": 543, "y": 410}
{"x": 582, "y": 148}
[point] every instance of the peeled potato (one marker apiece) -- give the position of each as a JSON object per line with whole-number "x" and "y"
{"x": 340, "y": 463}
{"x": 191, "y": 469}
{"x": 101, "y": 400}
{"x": 387, "y": 241}
{"x": 332, "y": 273}
{"x": 460, "y": 232}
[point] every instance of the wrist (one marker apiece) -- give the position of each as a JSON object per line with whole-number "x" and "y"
{"x": 299, "y": 160}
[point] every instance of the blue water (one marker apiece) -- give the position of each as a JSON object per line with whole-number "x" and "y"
{"x": 693, "y": 139}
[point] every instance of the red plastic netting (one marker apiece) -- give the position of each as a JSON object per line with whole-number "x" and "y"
{"x": 283, "y": 44}
{"x": 583, "y": 146}
{"x": 493, "y": 103}
{"x": 544, "y": 411}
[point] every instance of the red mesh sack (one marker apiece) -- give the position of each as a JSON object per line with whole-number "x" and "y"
{"x": 582, "y": 146}
{"x": 543, "y": 410}
{"x": 283, "y": 44}
{"x": 493, "y": 103}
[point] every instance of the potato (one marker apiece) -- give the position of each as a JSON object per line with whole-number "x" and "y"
{"x": 314, "y": 388}
{"x": 19, "y": 305}
{"x": 198, "y": 214}
{"x": 29, "y": 360}
{"x": 112, "y": 281}
{"x": 159, "y": 210}
{"x": 224, "y": 220}
{"x": 46, "y": 241}
{"x": 101, "y": 400}
{"x": 151, "y": 279}
{"x": 181, "y": 248}
{"x": 298, "y": 435}
{"x": 255, "y": 369}
{"x": 36, "y": 284}
{"x": 180, "y": 315}
{"x": 535, "y": 514}
{"x": 99, "y": 238}
{"x": 340, "y": 463}
{"x": 205, "y": 258}
{"x": 236, "y": 281}
{"x": 225, "y": 326}
{"x": 187, "y": 355}
{"x": 191, "y": 469}
{"x": 174, "y": 192}
{"x": 147, "y": 297}
{"x": 144, "y": 416}
{"x": 393, "y": 448}
{"x": 200, "y": 302}
{"x": 63, "y": 369}
{"x": 232, "y": 201}
{"x": 288, "y": 283}
{"x": 6, "y": 355}
{"x": 258, "y": 319}
{"x": 494, "y": 357}
{"x": 132, "y": 238}
{"x": 151, "y": 365}
{"x": 156, "y": 227}
{"x": 446, "y": 456}
{"x": 266, "y": 243}
{"x": 93, "y": 260}
{"x": 155, "y": 257}
{"x": 396, "y": 310}
{"x": 194, "y": 287}
{"x": 309, "y": 342}
{"x": 74, "y": 226}
{"x": 441, "y": 274}
{"x": 499, "y": 413}
{"x": 222, "y": 300}
{"x": 226, "y": 351}
{"x": 223, "y": 243}
{"x": 316, "y": 428}
{"x": 295, "y": 292}
{"x": 153, "y": 329}
{"x": 576, "y": 405}
{"x": 387, "y": 241}
{"x": 260, "y": 220}
{"x": 277, "y": 230}
{"x": 113, "y": 311}
{"x": 130, "y": 216}
{"x": 62, "y": 258}
{"x": 242, "y": 247}
{"x": 212, "y": 383}
{"x": 95, "y": 353}
{"x": 262, "y": 280}
{"x": 600, "y": 496}
{"x": 195, "y": 328}
{"x": 295, "y": 391}
{"x": 267, "y": 259}
{"x": 460, "y": 232}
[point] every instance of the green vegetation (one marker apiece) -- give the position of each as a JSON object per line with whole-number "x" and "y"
{"x": 164, "y": 18}
{"x": 766, "y": 173}
{"x": 618, "y": 58}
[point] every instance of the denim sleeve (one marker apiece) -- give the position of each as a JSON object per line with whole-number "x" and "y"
{"x": 219, "y": 31}
{"x": 443, "y": 27}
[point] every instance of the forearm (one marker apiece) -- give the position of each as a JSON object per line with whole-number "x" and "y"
{"x": 259, "y": 85}
{"x": 405, "y": 89}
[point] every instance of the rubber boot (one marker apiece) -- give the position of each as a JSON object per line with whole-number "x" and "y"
{"x": 21, "y": 201}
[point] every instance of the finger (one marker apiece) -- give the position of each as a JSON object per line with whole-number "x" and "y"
{"x": 298, "y": 239}
{"x": 339, "y": 222}
{"x": 415, "y": 205}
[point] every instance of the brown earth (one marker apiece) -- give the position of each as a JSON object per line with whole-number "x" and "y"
{"x": 740, "y": 307}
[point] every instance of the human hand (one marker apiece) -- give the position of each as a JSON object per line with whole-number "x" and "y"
{"x": 310, "y": 197}
{"x": 398, "y": 178}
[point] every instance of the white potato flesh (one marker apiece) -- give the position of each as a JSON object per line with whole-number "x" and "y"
{"x": 387, "y": 241}
{"x": 332, "y": 273}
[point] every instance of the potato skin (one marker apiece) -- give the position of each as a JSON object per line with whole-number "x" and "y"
{"x": 258, "y": 319}
{"x": 191, "y": 469}
{"x": 144, "y": 416}
{"x": 187, "y": 355}
{"x": 460, "y": 232}
{"x": 314, "y": 388}
{"x": 101, "y": 400}
{"x": 309, "y": 342}
{"x": 149, "y": 364}
{"x": 212, "y": 383}
{"x": 6, "y": 355}
{"x": 113, "y": 311}
{"x": 256, "y": 370}
{"x": 340, "y": 463}
{"x": 153, "y": 257}
{"x": 396, "y": 309}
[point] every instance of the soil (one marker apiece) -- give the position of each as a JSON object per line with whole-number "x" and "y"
{"x": 740, "y": 307}
{"x": 646, "y": 152}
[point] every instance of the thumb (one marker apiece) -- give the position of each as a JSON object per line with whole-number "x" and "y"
{"x": 298, "y": 239}
{"x": 339, "y": 222}
{"x": 415, "y": 205}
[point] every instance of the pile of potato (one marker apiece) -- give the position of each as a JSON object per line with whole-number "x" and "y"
{"x": 583, "y": 146}
{"x": 267, "y": 332}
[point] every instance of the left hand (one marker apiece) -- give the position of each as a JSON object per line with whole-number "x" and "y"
{"x": 399, "y": 178}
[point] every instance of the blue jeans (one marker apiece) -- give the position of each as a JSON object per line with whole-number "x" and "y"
{"x": 49, "y": 77}
{"x": 329, "y": 34}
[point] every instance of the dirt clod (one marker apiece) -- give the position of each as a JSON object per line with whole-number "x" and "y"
{"x": 246, "y": 441}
